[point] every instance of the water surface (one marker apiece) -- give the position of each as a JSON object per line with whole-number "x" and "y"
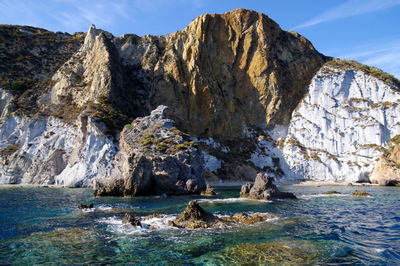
{"x": 42, "y": 225}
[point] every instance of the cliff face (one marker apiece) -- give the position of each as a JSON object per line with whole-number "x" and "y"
{"x": 387, "y": 170}
{"x": 341, "y": 126}
{"x": 251, "y": 96}
{"x": 235, "y": 70}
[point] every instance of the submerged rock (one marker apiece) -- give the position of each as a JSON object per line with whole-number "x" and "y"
{"x": 247, "y": 219}
{"x": 267, "y": 254}
{"x": 208, "y": 192}
{"x": 194, "y": 217}
{"x": 331, "y": 192}
{"x": 264, "y": 189}
{"x": 129, "y": 218}
{"x": 361, "y": 193}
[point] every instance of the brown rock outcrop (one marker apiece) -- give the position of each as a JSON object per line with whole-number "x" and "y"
{"x": 222, "y": 73}
{"x": 264, "y": 189}
{"x": 130, "y": 219}
{"x": 331, "y": 192}
{"x": 209, "y": 191}
{"x": 194, "y": 217}
{"x": 360, "y": 193}
{"x": 387, "y": 171}
{"x": 235, "y": 70}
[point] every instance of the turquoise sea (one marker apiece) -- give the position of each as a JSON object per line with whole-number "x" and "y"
{"x": 44, "y": 226}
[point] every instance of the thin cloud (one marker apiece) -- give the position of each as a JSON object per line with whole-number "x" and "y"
{"x": 350, "y": 9}
{"x": 384, "y": 55}
{"x": 82, "y": 14}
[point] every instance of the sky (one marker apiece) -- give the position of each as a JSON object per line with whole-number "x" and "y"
{"x": 364, "y": 30}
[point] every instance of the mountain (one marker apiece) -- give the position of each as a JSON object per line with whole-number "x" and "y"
{"x": 240, "y": 91}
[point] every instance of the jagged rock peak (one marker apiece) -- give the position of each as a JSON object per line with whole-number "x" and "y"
{"x": 91, "y": 35}
{"x": 240, "y": 18}
{"x": 236, "y": 70}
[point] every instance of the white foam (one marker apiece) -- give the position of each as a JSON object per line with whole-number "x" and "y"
{"x": 229, "y": 200}
{"x": 87, "y": 210}
{"x": 115, "y": 225}
{"x": 158, "y": 222}
{"x": 147, "y": 225}
{"x": 321, "y": 196}
{"x": 104, "y": 208}
{"x": 110, "y": 220}
{"x": 379, "y": 250}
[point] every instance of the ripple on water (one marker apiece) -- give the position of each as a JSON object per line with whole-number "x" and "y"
{"x": 44, "y": 225}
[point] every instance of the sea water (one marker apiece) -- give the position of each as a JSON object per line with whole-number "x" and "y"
{"x": 44, "y": 225}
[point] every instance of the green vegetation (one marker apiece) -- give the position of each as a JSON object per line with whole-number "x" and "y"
{"x": 333, "y": 157}
{"x": 178, "y": 132}
{"x": 357, "y": 100}
{"x": 129, "y": 126}
{"x": 18, "y": 85}
{"x": 384, "y": 105}
{"x": 394, "y": 141}
{"x": 373, "y": 71}
{"x": 162, "y": 146}
{"x": 113, "y": 118}
{"x": 315, "y": 157}
{"x": 364, "y": 117}
{"x": 186, "y": 145}
{"x": 373, "y": 146}
{"x": 9, "y": 150}
{"x": 132, "y": 39}
{"x": 148, "y": 140}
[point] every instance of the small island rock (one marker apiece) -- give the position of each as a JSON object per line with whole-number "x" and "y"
{"x": 209, "y": 191}
{"x": 130, "y": 219}
{"x": 264, "y": 189}
{"x": 85, "y": 207}
{"x": 194, "y": 217}
{"x": 331, "y": 192}
{"x": 361, "y": 193}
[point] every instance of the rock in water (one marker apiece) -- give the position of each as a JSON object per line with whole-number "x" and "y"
{"x": 109, "y": 187}
{"x": 209, "y": 191}
{"x": 130, "y": 219}
{"x": 361, "y": 193}
{"x": 245, "y": 190}
{"x": 155, "y": 158}
{"x": 194, "y": 217}
{"x": 331, "y": 192}
{"x": 85, "y": 207}
{"x": 264, "y": 189}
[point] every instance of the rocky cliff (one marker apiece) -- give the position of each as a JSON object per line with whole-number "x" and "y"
{"x": 251, "y": 96}
{"x": 387, "y": 170}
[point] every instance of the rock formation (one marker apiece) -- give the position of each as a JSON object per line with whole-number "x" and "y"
{"x": 208, "y": 192}
{"x": 85, "y": 206}
{"x": 154, "y": 158}
{"x": 251, "y": 96}
{"x": 130, "y": 219}
{"x": 264, "y": 189}
{"x": 387, "y": 171}
{"x": 331, "y": 192}
{"x": 360, "y": 193}
{"x": 194, "y": 217}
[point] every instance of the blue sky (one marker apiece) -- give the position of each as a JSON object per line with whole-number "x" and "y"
{"x": 364, "y": 30}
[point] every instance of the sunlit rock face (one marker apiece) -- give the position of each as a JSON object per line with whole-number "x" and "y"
{"x": 47, "y": 151}
{"x": 253, "y": 97}
{"x": 341, "y": 126}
